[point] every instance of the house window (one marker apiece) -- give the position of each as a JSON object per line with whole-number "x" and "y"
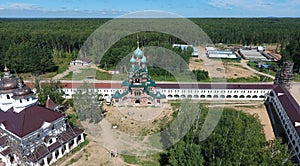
{"x": 7, "y": 96}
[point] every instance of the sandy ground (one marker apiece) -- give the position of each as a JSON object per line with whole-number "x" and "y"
{"x": 95, "y": 154}
{"x": 138, "y": 120}
{"x": 230, "y": 69}
{"x": 218, "y": 68}
{"x": 295, "y": 91}
{"x": 259, "y": 109}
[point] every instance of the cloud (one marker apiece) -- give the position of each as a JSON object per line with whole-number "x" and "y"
{"x": 23, "y": 6}
{"x": 32, "y": 10}
{"x": 242, "y": 4}
{"x": 288, "y": 8}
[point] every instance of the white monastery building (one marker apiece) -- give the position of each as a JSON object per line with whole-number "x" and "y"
{"x": 31, "y": 134}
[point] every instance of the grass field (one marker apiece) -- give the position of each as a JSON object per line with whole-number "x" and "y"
{"x": 88, "y": 73}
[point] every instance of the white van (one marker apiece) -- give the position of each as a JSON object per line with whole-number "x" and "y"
{"x": 108, "y": 101}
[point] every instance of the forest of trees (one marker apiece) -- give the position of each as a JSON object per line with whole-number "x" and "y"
{"x": 34, "y": 45}
{"x": 292, "y": 53}
{"x": 237, "y": 140}
{"x": 85, "y": 102}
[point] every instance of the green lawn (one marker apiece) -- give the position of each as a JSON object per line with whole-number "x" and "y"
{"x": 151, "y": 160}
{"x": 88, "y": 73}
{"x": 296, "y": 77}
{"x": 270, "y": 71}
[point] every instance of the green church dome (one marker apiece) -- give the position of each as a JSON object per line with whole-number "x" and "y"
{"x": 138, "y": 53}
{"x": 132, "y": 60}
{"x": 144, "y": 59}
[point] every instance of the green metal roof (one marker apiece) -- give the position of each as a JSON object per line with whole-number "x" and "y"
{"x": 157, "y": 95}
{"x": 151, "y": 83}
{"x": 125, "y": 83}
{"x": 117, "y": 95}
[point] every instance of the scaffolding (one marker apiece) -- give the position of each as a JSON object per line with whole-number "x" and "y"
{"x": 284, "y": 76}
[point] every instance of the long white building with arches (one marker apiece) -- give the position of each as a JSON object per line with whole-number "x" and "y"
{"x": 175, "y": 91}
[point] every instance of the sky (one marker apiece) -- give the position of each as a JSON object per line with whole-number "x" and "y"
{"x": 117, "y": 8}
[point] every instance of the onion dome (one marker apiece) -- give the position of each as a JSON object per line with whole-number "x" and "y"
{"x": 138, "y": 53}
{"x": 132, "y": 60}
{"x": 22, "y": 92}
{"x": 9, "y": 83}
{"x": 6, "y": 72}
{"x": 6, "y": 69}
{"x": 144, "y": 59}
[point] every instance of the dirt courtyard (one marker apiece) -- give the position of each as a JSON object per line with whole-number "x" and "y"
{"x": 94, "y": 154}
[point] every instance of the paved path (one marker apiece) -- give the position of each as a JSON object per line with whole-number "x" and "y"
{"x": 295, "y": 91}
{"x": 75, "y": 68}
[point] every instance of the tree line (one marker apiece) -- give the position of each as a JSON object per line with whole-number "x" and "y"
{"x": 236, "y": 140}
{"x": 291, "y": 52}
{"x": 32, "y": 45}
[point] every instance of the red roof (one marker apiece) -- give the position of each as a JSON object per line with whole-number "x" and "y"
{"x": 178, "y": 86}
{"x": 171, "y": 85}
{"x": 28, "y": 120}
{"x": 212, "y": 86}
{"x": 289, "y": 104}
{"x": 42, "y": 151}
{"x": 3, "y": 140}
{"x": 6, "y": 151}
{"x": 50, "y": 104}
{"x": 94, "y": 85}
{"x": 29, "y": 84}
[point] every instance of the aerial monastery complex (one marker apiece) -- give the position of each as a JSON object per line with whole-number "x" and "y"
{"x": 38, "y": 136}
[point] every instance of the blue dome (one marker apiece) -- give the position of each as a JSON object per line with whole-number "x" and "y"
{"x": 138, "y": 53}
{"x": 144, "y": 59}
{"x": 132, "y": 60}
